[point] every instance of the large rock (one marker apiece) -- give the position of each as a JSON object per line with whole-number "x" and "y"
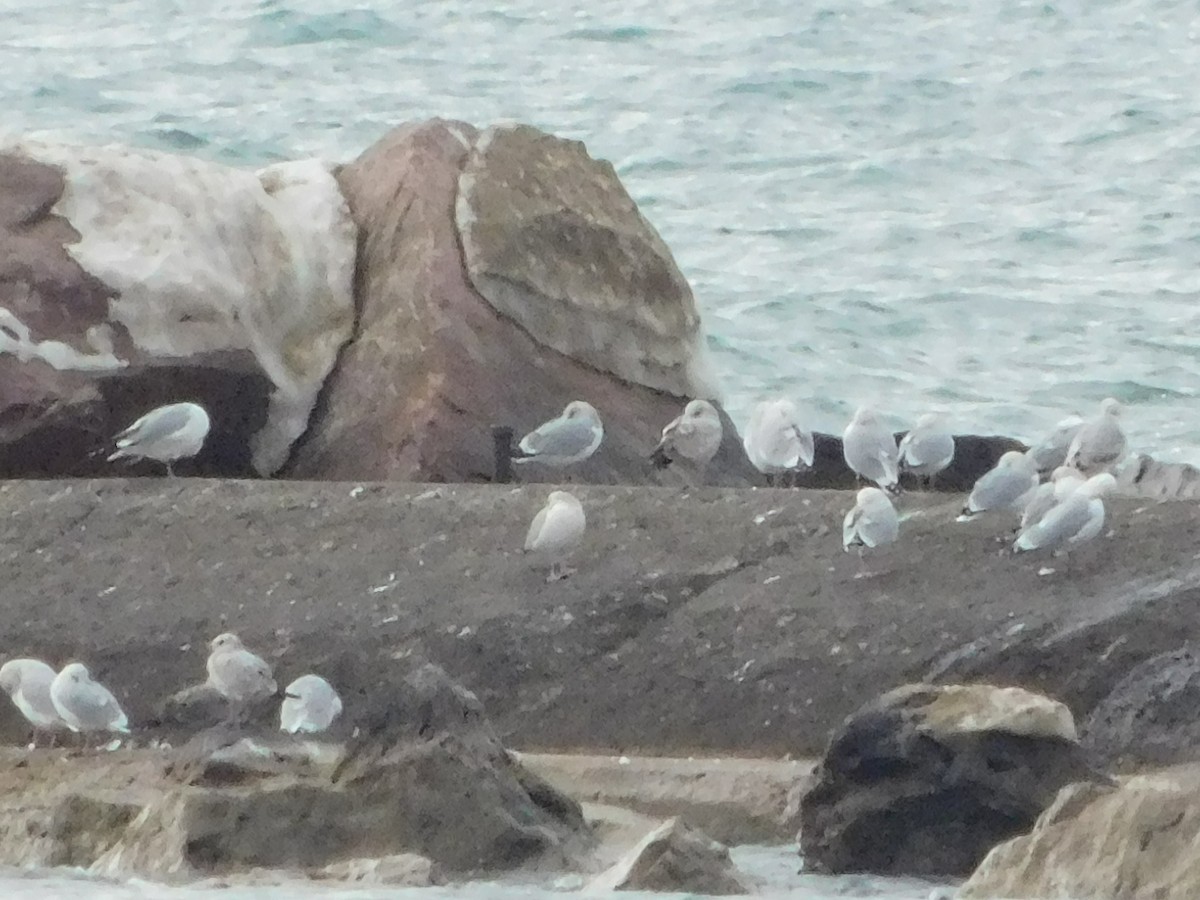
{"x": 925, "y": 780}
{"x": 678, "y": 858}
{"x": 1144, "y": 476}
{"x": 133, "y": 278}
{"x": 1133, "y": 843}
{"x": 565, "y": 262}
{"x": 1150, "y": 718}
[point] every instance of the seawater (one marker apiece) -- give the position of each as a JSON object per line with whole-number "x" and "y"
{"x": 989, "y": 208}
{"x": 774, "y": 869}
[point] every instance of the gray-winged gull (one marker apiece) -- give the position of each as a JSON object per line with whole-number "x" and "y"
{"x": 556, "y": 530}
{"x": 27, "y": 682}
{"x": 775, "y": 441}
{"x": 310, "y": 704}
{"x": 568, "y": 439}
{"x": 1010, "y": 485}
{"x": 85, "y": 705}
{"x": 166, "y": 434}
{"x": 1062, "y": 481}
{"x": 927, "y": 449}
{"x": 870, "y": 451}
{"x": 1051, "y": 451}
{"x": 694, "y": 435}
{"x": 1100, "y": 444}
{"x": 236, "y": 674}
{"x": 1077, "y": 519}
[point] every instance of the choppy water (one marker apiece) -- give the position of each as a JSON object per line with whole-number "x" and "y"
{"x": 990, "y": 207}
{"x": 774, "y": 868}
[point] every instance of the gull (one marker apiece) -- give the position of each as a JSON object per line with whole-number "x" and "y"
{"x": 310, "y": 705}
{"x": 238, "y": 675}
{"x": 86, "y": 705}
{"x": 927, "y": 449}
{"x": 870, "y": 450}
{"x": 694, "y": 435}
{"x": 1075, "y": 520}
{"x": 1010, "y": 485}
{"x": 775, "y": 441}
{"x": 571, "y": 438}
{"x": 556, "y": 530}
{"x": 871, "y": 523}
{"x": 166, "y": 434}
{"x": 27, "y": 682}
{"x": 1051, "y": 451}
{"x": 1062, "y": 481}
{"x": 1100, "y": 443}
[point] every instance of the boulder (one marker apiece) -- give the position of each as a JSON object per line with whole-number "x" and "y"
{"x": 402, "y": 869}
{"x": 1135, "y": 842}
{"x": 130, "y": 278}
{"x": 1150, "y": 716}
{"x": 558, "y": 260}
{"x": 678, "y": 858}
{"x": 925, "y": 780}
{"x": 1144, "y": 476}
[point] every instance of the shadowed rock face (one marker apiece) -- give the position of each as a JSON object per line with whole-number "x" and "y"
{"x": 132, "y": 279}
{"x": 434, "y": 364}
{"x": 925, "y": 780}
{"x": 1150, "y": 718}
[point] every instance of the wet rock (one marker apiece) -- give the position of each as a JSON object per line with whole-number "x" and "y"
{"x": 1150, "y": 716}
{"x": 1137, "y": 841}
{"x": 133, "y": 278}
{"x": 436, "y": 363}
{"x": 1144, "y": 476}
{"x": 678, "y": 858}
{"x": 925, "y": 780}
{"x": 403, "y": 869}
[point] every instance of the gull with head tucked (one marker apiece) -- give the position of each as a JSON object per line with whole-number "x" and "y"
{"x": 166, "y": 434}
{"x": 27, "y": 682}
{"x": 870, "y": 451}
{"x": 1009, "y": 485}
{"x": 1051, "y": 451}
{"x": 871, "y": 524}
{"x": 1100, "y": 443}
{"x": 927, "y": 449}
{"x": 86, "y": 706}
{"x": 1078, "y": 518}
{"x": 695, "y": 435}
{"x": 570, "y": 438}
{"x": 556, "y": 530}
{"x": 310, "y": 704}
{"x": 775, "y": 441}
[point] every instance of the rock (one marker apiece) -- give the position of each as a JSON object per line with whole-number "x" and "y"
{"x": 435, "y": 364}
{"x": 84, "y": 826}
{"x": 1134, "y": 842}
{"x": 925, "y": 780}
{"x": 678, "y": 858}
{"x": 133, "y": 278}
{"x": 1143, "y": 476}
{"x": 405, "y": 869}
{"x": 1150, "y": 716}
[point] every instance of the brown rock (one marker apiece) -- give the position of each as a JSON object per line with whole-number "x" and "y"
{"x": 678, "y": 858}
{"x": 435, "y": 364}
{"x": 1135, "y": 842}
{"x": 131, "y": 279}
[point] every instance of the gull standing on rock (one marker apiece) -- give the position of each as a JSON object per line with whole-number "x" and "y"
{"x": 695, "y": 435}
{"x": 27, "y": 682}
{"x": 238, "y": 675}
{"x": 310, "y": 705}
{"x": 1076, "y": 520}
{"x": 1100, "y": 444}
{"x": 1051, "y": 451}
{"x": 165, "y": 434}
{"x": 871, "y": 523}
{"x": 775, "y": 441}
{"x": 571, "y": 438}
{"x": 85, "y": 705}
{"x": 556, "y": 530}
{"x": 1062, "y": 481}
{"x": 1010, "y": 485}
{"x": 870, "y": 450}
{"x": 927, "y": 449}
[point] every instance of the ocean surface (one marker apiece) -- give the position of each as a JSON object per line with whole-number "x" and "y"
{"x": 988, "y": 208}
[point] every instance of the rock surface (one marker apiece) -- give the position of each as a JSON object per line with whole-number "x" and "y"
{"x": 678, "y": 858}
{"x": 1128, "y": 844}
{"x": 403, "y": 869}
{"x": 734, "y": 617}
{"x": 132, "y": 278}
{"x": 434, "y": 365}
{"x": 1150, "y": 718}
{"x": 926, "y": 779}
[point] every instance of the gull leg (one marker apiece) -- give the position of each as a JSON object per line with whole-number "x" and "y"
{"x": 170, "y": 471}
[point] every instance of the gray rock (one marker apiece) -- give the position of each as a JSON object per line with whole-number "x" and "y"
{"x": 678, "y": 858}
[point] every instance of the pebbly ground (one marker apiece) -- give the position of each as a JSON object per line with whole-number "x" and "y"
{"x": 700, "y": 621}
